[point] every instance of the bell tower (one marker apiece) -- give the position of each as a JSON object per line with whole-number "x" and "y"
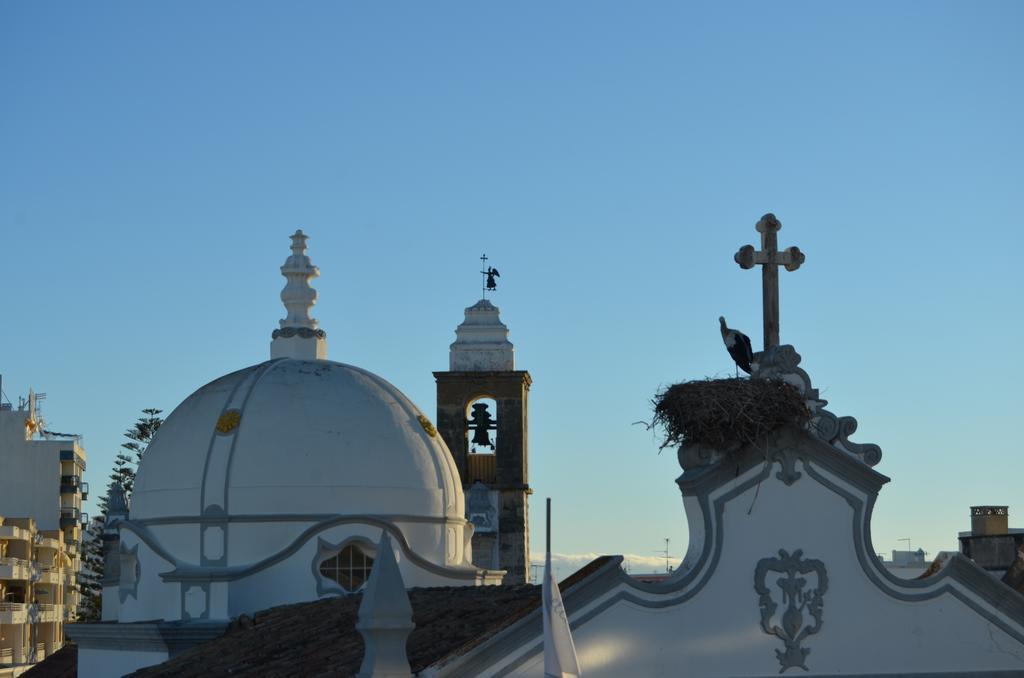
{"x": 482, "y": 415}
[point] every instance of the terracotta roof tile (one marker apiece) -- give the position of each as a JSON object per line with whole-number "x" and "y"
{"x": 61, "y": 664}
{"x": 318, "y": 639}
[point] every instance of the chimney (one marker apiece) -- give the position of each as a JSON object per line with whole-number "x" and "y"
{"x": 989, "y": 521}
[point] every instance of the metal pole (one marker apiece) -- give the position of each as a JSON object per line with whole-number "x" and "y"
{"x": 549, "y": 526}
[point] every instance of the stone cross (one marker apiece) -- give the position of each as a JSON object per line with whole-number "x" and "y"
{"x": 770, "y": 258}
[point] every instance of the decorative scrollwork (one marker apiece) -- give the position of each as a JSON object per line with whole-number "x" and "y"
{"x": 782, "y": 362}
{"x": 802, "y": 588}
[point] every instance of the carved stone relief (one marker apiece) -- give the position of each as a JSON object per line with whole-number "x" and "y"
{"x": 800, "y": 590}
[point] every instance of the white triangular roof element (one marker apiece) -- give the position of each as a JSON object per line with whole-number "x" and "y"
{"x": 385, "y": 618}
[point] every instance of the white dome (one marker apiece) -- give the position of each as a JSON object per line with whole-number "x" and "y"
{"x": 310, "y": 437}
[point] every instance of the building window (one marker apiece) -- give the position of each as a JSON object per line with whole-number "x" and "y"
{"x": 350, "y": 567}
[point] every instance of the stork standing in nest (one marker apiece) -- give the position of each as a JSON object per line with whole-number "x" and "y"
{"x": 738, "y": 345}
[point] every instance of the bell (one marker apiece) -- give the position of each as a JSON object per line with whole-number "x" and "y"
{"x": 481, "y": 422}
{"x": 481, "y": 438}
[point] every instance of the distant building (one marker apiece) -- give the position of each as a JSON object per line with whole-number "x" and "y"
{"x": 41, "y": 493}
{"x": 38, "y": 590}
{"x": 991, "y": 543}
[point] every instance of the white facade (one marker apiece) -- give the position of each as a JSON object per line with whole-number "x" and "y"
{"x": 780, "y": 577}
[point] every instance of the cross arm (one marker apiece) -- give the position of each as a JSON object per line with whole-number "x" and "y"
{"x": 748, "y": 257}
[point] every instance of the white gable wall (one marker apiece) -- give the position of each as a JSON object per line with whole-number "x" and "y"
{"x": 706, "y": 621}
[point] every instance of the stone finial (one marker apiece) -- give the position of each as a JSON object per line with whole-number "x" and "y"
{"x": 481, "y": 342}
{"x": 299, "y": 335}
{"x": 385, "y": 618}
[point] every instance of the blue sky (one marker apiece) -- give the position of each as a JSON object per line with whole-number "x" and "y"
{"x": 609, "y": 157}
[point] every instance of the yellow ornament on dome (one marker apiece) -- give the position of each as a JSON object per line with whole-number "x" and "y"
{"x": 427, "y": 426}
{"x": 229, "y": 421}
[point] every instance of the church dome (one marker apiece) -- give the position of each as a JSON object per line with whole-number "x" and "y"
{"x": 293, "y": 436}
{"x": 279, "y": 483}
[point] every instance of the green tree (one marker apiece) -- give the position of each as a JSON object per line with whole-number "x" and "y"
{"x": 126, "y": 465}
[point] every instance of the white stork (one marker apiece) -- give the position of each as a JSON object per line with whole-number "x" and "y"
{"x": 738, "y": 345}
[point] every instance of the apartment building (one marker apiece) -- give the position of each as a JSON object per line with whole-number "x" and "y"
{"x": 41, "y": 521}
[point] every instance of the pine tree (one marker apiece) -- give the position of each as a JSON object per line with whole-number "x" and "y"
{"x": 125, "y": 467}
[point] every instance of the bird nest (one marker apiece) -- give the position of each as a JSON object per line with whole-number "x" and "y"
{"x": 726, "y": 414}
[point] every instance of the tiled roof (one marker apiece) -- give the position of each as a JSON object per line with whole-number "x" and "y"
{"x": 61, "y": 664}
{"x": 319, "y": 639}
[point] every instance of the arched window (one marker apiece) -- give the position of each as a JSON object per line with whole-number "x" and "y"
{"x": 350, "y": 567}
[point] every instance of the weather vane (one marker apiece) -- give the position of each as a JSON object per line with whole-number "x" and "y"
{"x": 489, "y": 273}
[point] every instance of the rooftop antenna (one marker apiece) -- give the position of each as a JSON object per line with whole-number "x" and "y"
{"x": 906, "y": 539}
{"x": 489, "y": 273}
{"x": 668, "y": 567}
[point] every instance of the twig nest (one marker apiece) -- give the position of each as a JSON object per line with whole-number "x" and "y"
{"x": 725, "y": 415}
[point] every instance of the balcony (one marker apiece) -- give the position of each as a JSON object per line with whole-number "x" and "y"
{"x": 73, "y": 455}
{"x": 50, "y": 575}
{"x": 6, "y": 655}
{"x": 70, "y": 484}
{"x": 13, "y": 613}
{"x": 69, "y": 517}
{"x": 47, "y": 542}
{"x": 14, "y": 532}
{"x": 85, "y": 490}
{"x": 49, "y": 612}
{"x": 15, "y": 569}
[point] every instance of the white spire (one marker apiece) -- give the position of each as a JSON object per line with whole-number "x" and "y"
{"x": 298, "y": 296}
{"x": 385, "y": 618}
{"x": 481, "y": 342}
{"x": 299, "y": 336}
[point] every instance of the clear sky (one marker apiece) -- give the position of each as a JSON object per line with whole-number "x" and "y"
{"x": 609, "y": 157}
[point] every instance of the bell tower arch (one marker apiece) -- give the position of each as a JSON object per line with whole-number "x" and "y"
{"x": 482, "y": 414}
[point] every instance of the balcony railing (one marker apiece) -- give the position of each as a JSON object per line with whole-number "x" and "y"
{"x": 6, "y": 655}
{"x": 71, "y": 455}
{"x": 14, "y": 532}
{"x": 85, "y": 490}
{"x": 14, "y": 562}
{"x": 69, "y": 516}
{"x": 13, "y": 607}
{"x": 70, "y": 484}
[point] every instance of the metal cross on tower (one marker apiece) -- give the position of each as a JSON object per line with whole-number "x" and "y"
{"x": 770, "y": 258}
